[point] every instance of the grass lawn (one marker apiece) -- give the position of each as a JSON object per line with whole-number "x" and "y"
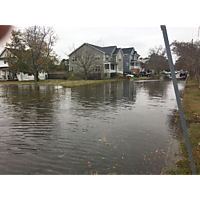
{"x": 61, "y": 82}
{"x": 69, "y": 83}
{"x": 141, "y": 78}
{"x": 191, "y": 107}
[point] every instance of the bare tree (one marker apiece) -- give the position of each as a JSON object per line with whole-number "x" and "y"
{"x": 188, "y": 57}
{"x": 33, "y": 47}
{"x": 85, "y": 61}
{"x": 157, "y": 59}
{"x": 100, "y": 42}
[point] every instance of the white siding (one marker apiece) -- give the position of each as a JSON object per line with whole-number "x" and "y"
{"x": 25, "y": 77}
{"x": 2, "y": 64}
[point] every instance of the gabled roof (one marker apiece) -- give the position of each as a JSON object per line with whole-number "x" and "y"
{"x": 116, "y": 51}
{"x": 13, "y": 51}
{"x": 3, "y": 51}
{"x": 107, "y": 50}
{"x": 96, "y": 47}
{"x": 128, "y": 50}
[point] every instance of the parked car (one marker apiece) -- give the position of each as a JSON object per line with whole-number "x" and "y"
{"x": 144, "y": 74}
{"x": 131, "y": 74}
{"x": 183, "y": 73}
{"x": 168, "y": 72}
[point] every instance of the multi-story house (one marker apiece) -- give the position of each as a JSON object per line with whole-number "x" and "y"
{"x": 6, "y": 74}
{"x": 103, "y": 60}
{"x": 130, "y": 60}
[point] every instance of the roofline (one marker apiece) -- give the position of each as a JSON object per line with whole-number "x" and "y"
{"x": 5, "y": 48}
{"x": 82, "y": 45}
{"x": 114, "y": 49}
{"x": 76, "y": 49}
{"x": 119, "y": 50}
{"x": 94, "y": 47}
{"x": 133, "y": 49}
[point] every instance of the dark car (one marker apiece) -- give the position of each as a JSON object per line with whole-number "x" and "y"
{"x": 144, "y": 74}
{"x": 183, "y": 73}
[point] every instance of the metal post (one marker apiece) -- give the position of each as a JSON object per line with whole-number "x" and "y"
{"x": 6, "y": 75}
{"x": 163, "y": 28}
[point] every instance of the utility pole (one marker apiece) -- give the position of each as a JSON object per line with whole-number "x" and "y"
{"x": 163, "y": 28}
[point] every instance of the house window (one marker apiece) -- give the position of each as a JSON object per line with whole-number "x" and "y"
{"x": 127, "y": 64}
{"x": 106, "y": 66}
{"x": 29, "y": 74}
{"x": 107, "y": 57}
{"x": 97, "y": 68}
{"x": 120, "y": 56}
{"x": 112, "y": 67}
{"x": 72, "y": 68}
{"x": 74, "y": 58}
{"x": 4, "y": 61}
{"x": 97, "y": 57}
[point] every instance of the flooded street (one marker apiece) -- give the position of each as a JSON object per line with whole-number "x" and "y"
{"x": 113, "y": 128}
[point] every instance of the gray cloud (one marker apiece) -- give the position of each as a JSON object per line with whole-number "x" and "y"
{"x": 142, "y": 38}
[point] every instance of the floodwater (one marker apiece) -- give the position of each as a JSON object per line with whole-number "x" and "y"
{"x": 113, "y": 128}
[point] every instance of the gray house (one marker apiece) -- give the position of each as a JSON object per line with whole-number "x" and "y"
{"x": 130, "y": 60}
{"x": 104, "y": 61}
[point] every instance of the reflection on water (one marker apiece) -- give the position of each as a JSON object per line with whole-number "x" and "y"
{"x": 112, "y": 128}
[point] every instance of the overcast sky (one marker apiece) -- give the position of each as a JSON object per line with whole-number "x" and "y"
{"x": 142, "y": 37}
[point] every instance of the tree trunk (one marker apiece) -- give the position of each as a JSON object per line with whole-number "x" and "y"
{"x": 37, "y": 76}
{"x": 85, "y": 75}
{"x": 35, "y": 79}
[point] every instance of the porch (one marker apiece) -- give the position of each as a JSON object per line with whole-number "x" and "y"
{"x": 135, "y": 66}
{"x": 5, "y": 74}
{"x": 110, "y": 67}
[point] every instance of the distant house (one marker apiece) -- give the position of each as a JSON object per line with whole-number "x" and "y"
{"x": 130, "y": 60}
{"x": 6, "y": 74}
{"x": 143, "y": 63}
{"x": 108, "y": 60}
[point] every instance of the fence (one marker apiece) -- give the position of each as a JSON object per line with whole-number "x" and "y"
{"x": 55, "y": 76}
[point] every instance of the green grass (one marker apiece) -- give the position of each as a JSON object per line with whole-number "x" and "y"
{"x": 62, "y": 82}
{"x": 141, "y": 78}
{"x": 191, "y": 107}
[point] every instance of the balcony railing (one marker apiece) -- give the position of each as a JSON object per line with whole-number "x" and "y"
{"x": 110, "y": 70}
{"x": 134, "y": 67}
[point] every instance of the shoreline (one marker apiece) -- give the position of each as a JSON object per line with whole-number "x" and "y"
{"x": 70, "y": 84}
{"x": 191, "y": 108}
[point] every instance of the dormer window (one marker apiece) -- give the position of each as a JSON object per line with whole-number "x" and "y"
{"x": 107, "y": 57}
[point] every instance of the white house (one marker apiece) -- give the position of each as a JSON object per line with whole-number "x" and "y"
{"x": 5, "y": 74}
{"x": 29, "y": 77}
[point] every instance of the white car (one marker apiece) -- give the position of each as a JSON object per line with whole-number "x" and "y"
{"x": 131, "y": 75}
